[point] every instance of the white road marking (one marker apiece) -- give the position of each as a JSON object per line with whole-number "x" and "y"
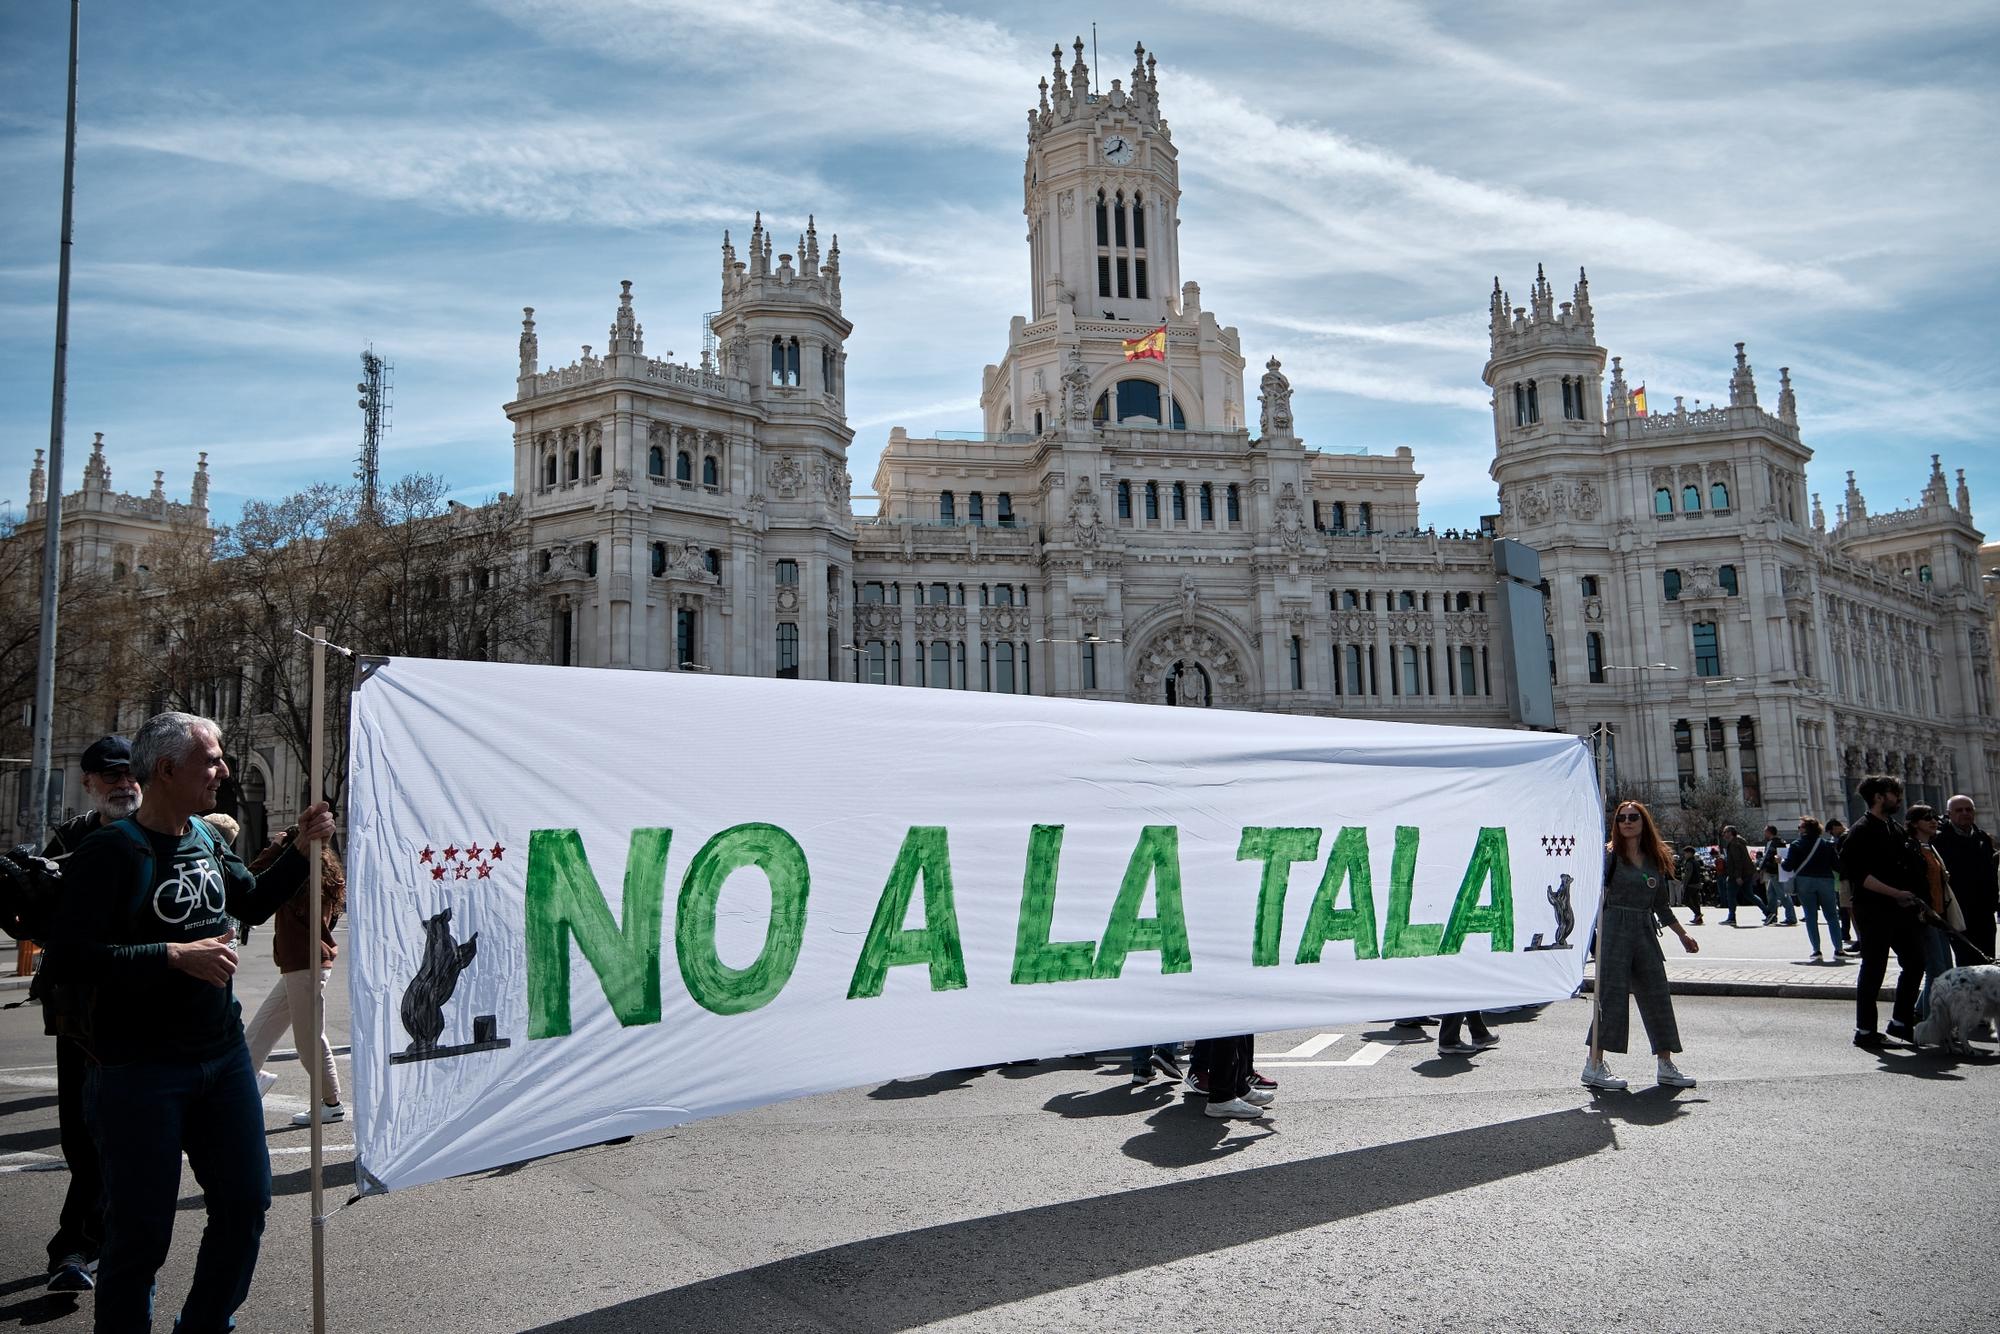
{"x": 1370, "y": 1053}
{"x": 1306, "y": 1050}
{"x": 52, "y": 1162}
{"x": 282, "y": 1102}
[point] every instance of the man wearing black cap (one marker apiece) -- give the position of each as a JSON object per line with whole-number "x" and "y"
{"x": 114, "y": 794}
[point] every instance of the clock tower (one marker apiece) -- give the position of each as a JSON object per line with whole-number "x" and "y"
{"x": 1102, "y": 191}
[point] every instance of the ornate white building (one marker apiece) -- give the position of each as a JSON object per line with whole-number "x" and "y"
{"x": 1120, "y": 531}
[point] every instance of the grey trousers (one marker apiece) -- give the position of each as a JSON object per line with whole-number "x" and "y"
{"x": 1630, "y": 965}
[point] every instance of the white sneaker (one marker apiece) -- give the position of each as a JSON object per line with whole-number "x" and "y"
{"x": 265, "y": 1082}
{"x": 1235, "y": 1107}
{"x": 1598, "y": 1076}
{"x": 1260, "y": 1097}
{"x": 327, "y": 1112}
{"x": 1670, "y": 1076}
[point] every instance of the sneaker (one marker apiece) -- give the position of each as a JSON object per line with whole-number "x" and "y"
{"x": 265, "y": 1082}
{"x": 71, "y": 1274}
{"x": 1670, "y": 1076}
{"x": 1901, "y": 1031}
{"x": 1772, "y": 920}
{"x": 1485, "y": 1041}
{"x": 1262, "y": 1081}
{"x": 1869, "y": 1038}
{"x": 1729, "y": 920}
{"x": 1235, "y": 1107}
{"x": 1260, "y": 1097}
{"x": 1167, "y": 1066}
{"x": 1456, "y": 1049}
{"x": 1815, "y": 958}
{"x": 1198, "y": 1081}
{"x": 1142, "y": 1074}
{"x": 1598, "y": 1076}
{"x": 327, "y": 1112}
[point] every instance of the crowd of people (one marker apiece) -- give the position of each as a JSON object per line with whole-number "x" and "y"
{"x": 154, "y": 1060}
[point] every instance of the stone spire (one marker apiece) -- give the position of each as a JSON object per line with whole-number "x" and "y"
{"x": 1935, "y": 492}
{"x": 97, "y": 473}
{"x": 198, "y": 494}
{"x": 1964, "y": 495}
{"x": 1856, "y": 507}
{"x": 1498, "y": 321}
{"x": 1543, "y": 299}
{"x": 1742, "y": 385}
{"x": 624, "y": 338}
{"x": 38, "y": 480}
{"x": 830, "y": 271}
{"x": 760, "y": 249}
{"x": 159, "y": 494}
{"x": 809, "y": 250}
{"x": 1819, "y": 514}
{"x": 1617, "y": 399}
{"x": 1580, "y": 303}
{"x": 1062, "y": 102}
{"x": 530, "y": 353}
{"x": 1788, "y": 406}
{"x": 1079, "y": 76}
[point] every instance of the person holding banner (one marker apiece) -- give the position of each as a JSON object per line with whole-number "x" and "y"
{"x": 152, "y": 933}
{"x": 1637, "y": 866}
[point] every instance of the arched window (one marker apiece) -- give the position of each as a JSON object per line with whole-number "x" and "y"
{"x": 1180, "y": 502}
{"x": 683, "y": 466}
{"x": 1208, "y": 502}
{"x": 1139, "y": 223}
{"x": 1718, "y": 496}
{"x": 947, "y": 507}
{"x": 940, "y": 673}
{"x": 1593, "y": 654}
{"x": 659, "y": 559}
{"x": 1465, "y": 602}
{"x": 1124, "y": 500}
{"x": 656, "y": 462}
{"x": 1923, "y": 574}
{"x": 1520, "y": 404}
{"x": 1103, "y": 225}
{"x": 826, "y": 370}
{"x": 777, "y": 361}
{"x": 1670, "y": 581}
{"x": 1038, "y": 421}
{"x": 940, "y": 594}
{"x": 1534, "y": 403}
{"x": 792, "y": 364}
{"x": 975, "y": 509}
{"x": 1367, "y": 509}
{"x": 1118, "y": 219}
{"x": 549, "y": 470}
{"x": 1234, "y": 507}
{"x": 788, "y": 573}
{"x": 1139, "y": 401}
{"x": 1100, "y": 411}
{"x": 709, "y": 472}
{"x": 570, "y": 471}
{"x": 1152, "y": 502}
{"x": 1003, "y": 513}
{"x": 1690, "y": 499}
{"x": 1339, "y": 516}
{"x": 597, "y": 460}
{"x": 1663, "y": 500}
{"x": 1569, "y": 399}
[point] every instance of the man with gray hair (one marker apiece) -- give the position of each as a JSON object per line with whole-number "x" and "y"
{"x": 151, "y": 930}
{"x": 1967, "y": 853}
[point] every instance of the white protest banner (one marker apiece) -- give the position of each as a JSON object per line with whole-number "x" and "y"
{"x": 592, "y": 903}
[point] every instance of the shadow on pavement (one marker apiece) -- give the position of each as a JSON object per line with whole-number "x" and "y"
{"x": 18, "y": 1141}
{"x": 1653, "y": 1106}
{"x": 1918, "y": 1063}
{"x": 911, "y": 1279}
{"x": 338, "y": 1175}
{"x": 1182, "y": 1136}
{"x": 1122, "y": 1099}
{"x": 40, "y": 1309}
{"x": 34, "y": 1103}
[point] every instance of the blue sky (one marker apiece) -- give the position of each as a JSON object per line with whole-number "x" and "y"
{"x": 264, "y": 189}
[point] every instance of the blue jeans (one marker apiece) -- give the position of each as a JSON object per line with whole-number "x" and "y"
{"x": 1734, "y": 890}
{"x": 1780, "y": 896}
{"x": 1937, "y": 961}
{"x": 147, "y": 1114}
{"x": 1816, "y": 896}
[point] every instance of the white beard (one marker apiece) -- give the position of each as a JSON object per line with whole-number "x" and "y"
{"x": 117, "y": 806}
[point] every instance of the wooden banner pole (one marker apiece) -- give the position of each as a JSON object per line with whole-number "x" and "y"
{"x": 317, "y": 1027}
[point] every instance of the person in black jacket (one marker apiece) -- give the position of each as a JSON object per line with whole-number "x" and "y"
{"x": 1812, "y": 859}
{"x": 1875, "y": 858}
{"x": 150, "y": 930}
{"x": 1967, "y": 852}
{"x": 73, "y": 1251}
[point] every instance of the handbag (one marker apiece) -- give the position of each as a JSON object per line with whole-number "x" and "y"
{"x": 1786, "y": 875}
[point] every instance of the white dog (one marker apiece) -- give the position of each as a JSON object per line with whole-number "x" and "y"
{"x": 1961, "y": 1000}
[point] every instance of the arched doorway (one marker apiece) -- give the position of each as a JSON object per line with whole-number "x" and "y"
{"x": 1188, "y": 666}
{"x": 1188, "y": 686}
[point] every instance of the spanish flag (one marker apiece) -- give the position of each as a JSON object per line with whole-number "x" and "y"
{"x": 1639, "y": 401}
{"x": 1150, "y": 347}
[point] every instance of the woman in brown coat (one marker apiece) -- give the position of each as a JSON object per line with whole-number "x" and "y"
{"x": 291, "y": 1001}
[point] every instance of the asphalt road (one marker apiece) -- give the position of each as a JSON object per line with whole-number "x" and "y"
{"x": 1805, "y": 1185}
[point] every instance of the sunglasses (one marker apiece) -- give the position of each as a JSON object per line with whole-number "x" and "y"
{"x": 1628, "y": 815}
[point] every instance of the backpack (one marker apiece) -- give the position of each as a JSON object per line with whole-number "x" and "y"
{"x": 69, "y": 1004}
{"x": 30, "y": 887}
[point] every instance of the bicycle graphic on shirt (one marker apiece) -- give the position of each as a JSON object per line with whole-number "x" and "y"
{"x": 197, "y": 885}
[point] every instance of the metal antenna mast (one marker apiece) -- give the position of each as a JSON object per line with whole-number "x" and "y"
{"x": 374, "y": 404}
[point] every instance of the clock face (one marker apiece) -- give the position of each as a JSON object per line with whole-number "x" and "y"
{"x": 1118, "y": 150}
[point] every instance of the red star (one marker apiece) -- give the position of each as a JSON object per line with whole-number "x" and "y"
{"x": 472, "y": 852}
{"x": 485, "y": 871}
{"x": 495, "y": 851}
{"x": 450, "y": 851}
{"x": 461, "y": 872}
{"x": 426, "y": 854}
{"x": 437, "y": 872}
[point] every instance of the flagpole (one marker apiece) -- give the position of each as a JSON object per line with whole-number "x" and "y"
{"x": 1167, "y": 361}
{"x": 318, "y": 1025}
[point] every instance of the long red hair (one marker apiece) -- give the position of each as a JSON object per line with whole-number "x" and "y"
{"x": 1651, "y": 845}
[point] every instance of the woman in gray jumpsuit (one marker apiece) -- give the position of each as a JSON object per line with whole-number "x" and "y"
{"x": 1637, "y": 864}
